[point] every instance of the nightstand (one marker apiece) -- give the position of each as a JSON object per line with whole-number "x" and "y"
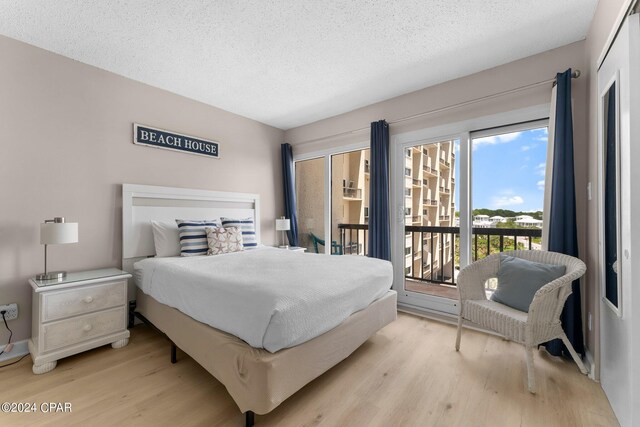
{"x": 85, "y": 310}
{"x": 294, "y": 248}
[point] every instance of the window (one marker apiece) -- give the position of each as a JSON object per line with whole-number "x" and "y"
{"x": 407, "y": 172}
{"x": 511, "y": 195}
{"x": 508, "y": 198}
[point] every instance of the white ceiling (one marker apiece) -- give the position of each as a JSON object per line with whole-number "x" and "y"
{"x": 291, "y": 62}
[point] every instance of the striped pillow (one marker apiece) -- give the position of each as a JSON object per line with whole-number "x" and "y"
{"x": 193, "y": 236}
{"x": 246, "y": 225}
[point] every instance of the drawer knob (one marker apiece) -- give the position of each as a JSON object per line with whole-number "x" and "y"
{"x": 87, "y": 328}
{"x": 88, "y": 299}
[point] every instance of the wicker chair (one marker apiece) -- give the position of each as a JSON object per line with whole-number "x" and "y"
{"x": 539, "y": 325}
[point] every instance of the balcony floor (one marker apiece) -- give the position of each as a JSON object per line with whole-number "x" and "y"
{"x": 434, "y": 289}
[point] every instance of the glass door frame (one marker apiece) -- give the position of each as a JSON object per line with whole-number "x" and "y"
{"x": 461, "y": 131}
{"x": 326, "y": 155}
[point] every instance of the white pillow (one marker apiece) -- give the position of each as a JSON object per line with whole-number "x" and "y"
{"x": 166, "y": 238}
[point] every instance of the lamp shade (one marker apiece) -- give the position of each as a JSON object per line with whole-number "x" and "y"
{"x": 55, "y": 233}
{"x": 283, "y": 224}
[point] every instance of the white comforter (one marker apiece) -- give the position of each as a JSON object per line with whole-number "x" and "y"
{"x": 270, "y": 298}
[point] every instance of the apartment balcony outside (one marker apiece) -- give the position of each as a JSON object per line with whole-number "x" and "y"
{"x": 416, "y": 182}
{"x": 352, "y": 193}
{"x": 445, "y": 217}
{"x": 430, "y": 171}
{"x": 444, "y": 163}
{"x": 445, "y": 190}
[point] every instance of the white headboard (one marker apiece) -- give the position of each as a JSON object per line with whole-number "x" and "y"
{"x": 143, "y": 203}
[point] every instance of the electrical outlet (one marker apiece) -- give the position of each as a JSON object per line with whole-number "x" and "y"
{"x": 11, "y": 311}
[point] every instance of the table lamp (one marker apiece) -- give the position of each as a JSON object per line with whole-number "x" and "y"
{"x": 55, "y": 232}
{"x": 283, "y": 224}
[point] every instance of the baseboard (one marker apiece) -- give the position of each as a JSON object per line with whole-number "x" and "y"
{"x": 20, "y": 348}
{"x": 591, "y": 363}
{"x": 451, "y": 319}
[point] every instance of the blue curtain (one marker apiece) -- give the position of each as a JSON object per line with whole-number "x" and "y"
{"x": 379, "y": 224}
{"x": 289, "y": 187}
{"x": 562, "y": 220}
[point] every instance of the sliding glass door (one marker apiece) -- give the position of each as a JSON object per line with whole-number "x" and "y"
{"x": 431, "y": 239}
{"x": 461, "y": 198}
{"x": 455, "y": 199}
{"x": 332, "y": 193}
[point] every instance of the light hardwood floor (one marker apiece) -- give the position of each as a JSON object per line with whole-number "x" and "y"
{"x": 406, "y": 375}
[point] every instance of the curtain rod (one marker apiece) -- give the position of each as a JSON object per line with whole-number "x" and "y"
{"x": 575, "y": 74}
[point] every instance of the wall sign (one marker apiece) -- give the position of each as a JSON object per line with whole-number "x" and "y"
{"x": 159, "y": 138}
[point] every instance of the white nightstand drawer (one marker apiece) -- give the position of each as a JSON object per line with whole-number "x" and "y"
{"x": 78, "y": 329}
{"x": 61, "y": 304}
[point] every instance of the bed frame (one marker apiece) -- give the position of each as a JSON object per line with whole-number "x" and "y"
{"x": 257, "y": 380}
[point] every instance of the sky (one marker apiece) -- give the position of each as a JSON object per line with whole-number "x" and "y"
{"x": 508, "y": 171}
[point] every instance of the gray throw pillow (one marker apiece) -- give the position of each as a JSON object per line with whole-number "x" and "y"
{"x": 519, "y": 280}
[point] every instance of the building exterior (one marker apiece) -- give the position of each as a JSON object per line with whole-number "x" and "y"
{"x": 429, "y": 202}
{"x": 350, "y": 199}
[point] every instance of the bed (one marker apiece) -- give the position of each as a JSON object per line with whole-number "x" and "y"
{"x": 246, "y": 317}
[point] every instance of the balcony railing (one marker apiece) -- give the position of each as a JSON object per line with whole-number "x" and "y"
{"x": 353, "y": 239}
{"x": 430, "y": 170}
{"x": 352, "y": 193}
{"x": 438, "y": 247}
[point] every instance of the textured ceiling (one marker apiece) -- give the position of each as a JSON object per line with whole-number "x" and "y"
{"x": 291, "y": 62}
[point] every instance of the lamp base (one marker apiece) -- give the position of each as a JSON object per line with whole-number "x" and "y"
{"x": 54, "y": 275}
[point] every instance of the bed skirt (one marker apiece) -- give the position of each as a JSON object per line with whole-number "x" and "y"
{"x": 257, "y": 380}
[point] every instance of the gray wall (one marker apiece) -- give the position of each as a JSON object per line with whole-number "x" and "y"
{"x": 66, "y": 139}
